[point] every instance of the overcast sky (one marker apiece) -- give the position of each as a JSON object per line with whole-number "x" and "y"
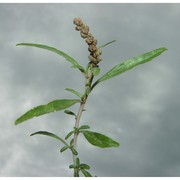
{"x": 140, "y": 108}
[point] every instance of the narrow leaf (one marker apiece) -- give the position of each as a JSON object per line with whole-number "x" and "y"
{"x": 64, "y": 148}
{"x": 84, "y": 127}
{"x": 69, "y": 112}
{"x": 77, "y": 161}
{"x": 52, "y": 49}
{"x": 74, "y": 151}
{"x": 72, "y": 166}
{"x": 74, "y": 92}
{"x": 107, "y": 44}
{"x": 69, "y": 134}
{"x": 51, "y": 135}
{"x": 86, "y": 173}
{"x": 84, "y": 166}
{"x": 53, "y": 106}
{"x": 71, "y": 142}
{"x": 79, "y": 67}
{"x": 99, "y": 140}
{"x": 130, "y": 63}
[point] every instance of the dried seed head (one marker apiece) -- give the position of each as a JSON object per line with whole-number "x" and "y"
{"x": 98, "y": 52}
{"x": 92, "y": 48}
{"x": 95, "y": 42}
{"x": 83, "y": 35}
{"x": 95, "y": 53}
{"x": 89, "y": 40}
{"x": 85, "y": 30}
{"x": 77, "y": 21}
{"x": 78, "y": 28}
{"x": 92, "y": 59}
{"x": 99, "y": 59}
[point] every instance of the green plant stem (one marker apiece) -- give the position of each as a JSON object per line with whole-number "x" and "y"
{"x": 76, "y": 134}
{"x": 88, "y": 83}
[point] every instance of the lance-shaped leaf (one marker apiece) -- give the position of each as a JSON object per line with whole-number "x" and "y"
{"x": 61, "y": 53}
{"x": 130, "y": 63}
{"x": 46, "y": 133}
{"x": 64, "y": 148}
{"x": 74, "y": 151}
{"x": 84, "y": 166}
{"x": 69, "y": 134}
{"x": 86, "y": 173}
{"x": 70, "y": 113}
{"x": 84, "y": 127}
{"x": 71, "y": 142}
{"x": 77, "y": 161}
{"x": 53, "y": 106}
{"x": 72, "y": 166}
{"x": 74, "y": 92}
{"x": 99, "y": 140}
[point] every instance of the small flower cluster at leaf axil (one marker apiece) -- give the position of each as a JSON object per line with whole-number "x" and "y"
{"x": 95, "y": 52}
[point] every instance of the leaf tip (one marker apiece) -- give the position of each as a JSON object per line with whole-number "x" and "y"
{"x": 18, "y": 44}
{"x": 163, "y": 49}
{"x": 32, "y": 134}
{"x": 16, "y": 122}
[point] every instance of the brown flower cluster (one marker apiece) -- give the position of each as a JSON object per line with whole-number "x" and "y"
{"x": 95, "y": 52}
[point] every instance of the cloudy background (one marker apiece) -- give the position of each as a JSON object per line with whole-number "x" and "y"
{"x": 140, "y": 108}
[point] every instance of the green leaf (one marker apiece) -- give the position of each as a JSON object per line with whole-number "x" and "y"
{"x": 69, "y": 112}
{"x": 51, "y": 135}
{"x": 95, "y": 71}
{"x": 84, "y": 166}
{"x": 74, "y": 151}
{"x": 99, "y": 140}
{"x": 84, "y": 127}
{"x": 61, "y": 53}
{"x": 130, "y": 63}
{"x": 69, "y": 134}
{"x": 107, "y": 44}
{"x": 86, "y": 173}
{"x": 64, "y": 148}
{"x": 72, "y": 166}
{"x": 74, "y": 92}
{"x": 71, "y": 142}
{"x": 77, "y": 161}
{"x": 53, "y": 106}
{"x": 79, "y": 67}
